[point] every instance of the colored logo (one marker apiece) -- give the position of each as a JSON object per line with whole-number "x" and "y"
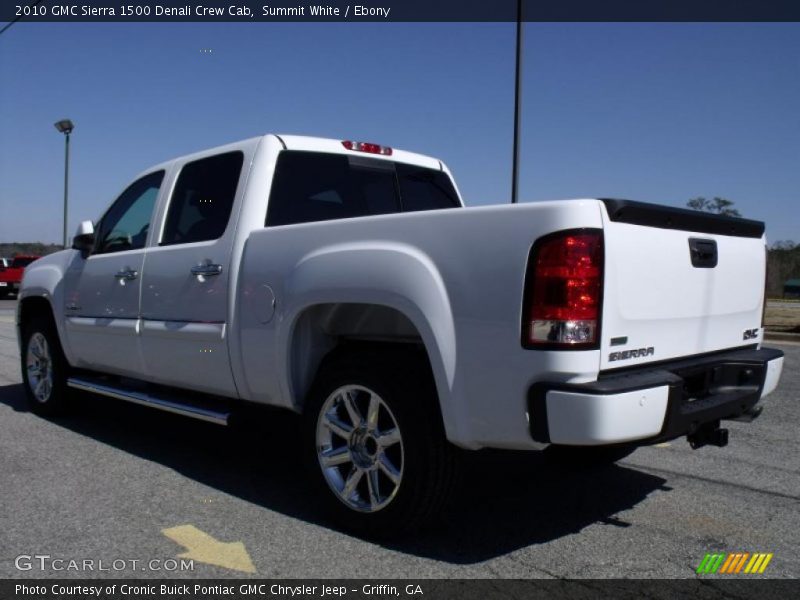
{"x": 734, "y": 563}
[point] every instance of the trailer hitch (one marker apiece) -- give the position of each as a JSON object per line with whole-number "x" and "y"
{"x": 708, "y": 434}
{"x": 749, "y": 415}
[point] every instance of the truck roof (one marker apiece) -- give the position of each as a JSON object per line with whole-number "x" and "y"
{"x": 307, "y": 144}
{"x": 317, "y": 144}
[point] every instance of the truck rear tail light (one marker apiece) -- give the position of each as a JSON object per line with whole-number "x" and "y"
{"x": 563, "y": 287}
{"x": 367, "y": 147}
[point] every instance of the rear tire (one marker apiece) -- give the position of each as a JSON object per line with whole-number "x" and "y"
{"x": 44, "y": 368}
{"x": 375, "y": 443}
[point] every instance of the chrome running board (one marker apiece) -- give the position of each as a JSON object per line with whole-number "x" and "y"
{"x": 172, "y": 404}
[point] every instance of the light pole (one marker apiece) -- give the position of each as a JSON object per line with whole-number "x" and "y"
{"x": 517, "y": 100}
{"x": 65, "y": 126}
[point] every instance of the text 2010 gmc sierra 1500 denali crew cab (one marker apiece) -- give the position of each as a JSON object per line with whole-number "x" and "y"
{"x": 347, "y": 282}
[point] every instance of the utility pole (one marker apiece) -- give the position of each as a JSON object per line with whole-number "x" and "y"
{"x": 517, "y": 98}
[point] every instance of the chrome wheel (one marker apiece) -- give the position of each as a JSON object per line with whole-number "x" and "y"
{"x": 39, "y": 367}
{"x": 360, "y": 448}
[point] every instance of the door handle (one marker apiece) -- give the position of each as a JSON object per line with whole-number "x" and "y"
{"x": 206, "y": 270}
{"x": 127, "y": 274}
{"x": 703, "y": 253}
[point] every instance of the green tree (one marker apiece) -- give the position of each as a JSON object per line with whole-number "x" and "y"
{"x": 783, "y": 263}
{"x": 720, "y": 206}
{"x": 9, "y": 249}
{"x": 784, "y": 245}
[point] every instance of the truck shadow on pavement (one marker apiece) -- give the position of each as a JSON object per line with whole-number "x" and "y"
{"x": 507, "y": 500}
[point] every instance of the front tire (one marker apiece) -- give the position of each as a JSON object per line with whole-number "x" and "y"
{"x": 44, "y": 368}
{"x": 378, "y": 453}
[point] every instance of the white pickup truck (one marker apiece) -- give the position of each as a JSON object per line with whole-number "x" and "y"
{"x": 347, "y": 282}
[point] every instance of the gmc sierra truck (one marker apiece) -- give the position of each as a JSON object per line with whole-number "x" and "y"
{"x": 346, "y": 281}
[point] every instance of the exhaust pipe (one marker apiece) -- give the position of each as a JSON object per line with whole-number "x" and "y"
{"x": 708, "y": 434}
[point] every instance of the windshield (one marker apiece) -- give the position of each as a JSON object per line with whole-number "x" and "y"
{"x": 22, "y": 261}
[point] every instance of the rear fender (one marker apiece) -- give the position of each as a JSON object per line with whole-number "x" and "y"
{"x": 395, "y": 275}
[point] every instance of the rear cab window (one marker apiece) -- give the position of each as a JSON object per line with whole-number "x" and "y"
{"x": 425, "y": 189}
{"x": 315, "y": 186}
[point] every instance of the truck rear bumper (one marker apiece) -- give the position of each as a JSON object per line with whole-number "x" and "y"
{"x": 654, "y": 403}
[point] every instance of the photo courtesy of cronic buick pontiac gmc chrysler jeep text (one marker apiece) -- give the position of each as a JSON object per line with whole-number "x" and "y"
{"x": 347, "y": 282}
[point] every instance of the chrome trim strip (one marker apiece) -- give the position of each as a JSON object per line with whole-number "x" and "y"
{"x": 184, "y": 330}
{"x": 105, "y": 325}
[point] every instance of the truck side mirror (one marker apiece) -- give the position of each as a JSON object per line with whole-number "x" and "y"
{"x": 84, "y": 238}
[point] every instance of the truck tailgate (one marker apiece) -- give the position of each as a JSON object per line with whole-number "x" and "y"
{"x": 678, "y": 283}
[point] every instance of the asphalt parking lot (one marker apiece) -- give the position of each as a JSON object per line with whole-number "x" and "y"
{"x": 118, "y": 482}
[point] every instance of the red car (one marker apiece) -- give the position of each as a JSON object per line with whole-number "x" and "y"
{"x": 11, "y": 276}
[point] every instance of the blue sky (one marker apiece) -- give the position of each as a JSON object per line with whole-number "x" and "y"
{"x": 651, "y": 111}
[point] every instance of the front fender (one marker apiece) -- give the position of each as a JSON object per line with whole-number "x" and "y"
{"x": 44, "y": 278}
